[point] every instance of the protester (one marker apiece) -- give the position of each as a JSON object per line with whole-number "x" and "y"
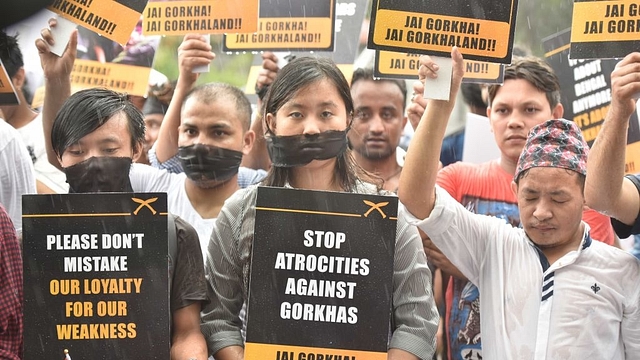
{"x": 204, "y": 136}
{"x": 95, "y": 137}
{"x": 529, "y": 96}
{"x": 17, "y": 176}
{"x": 377, "y": 125}
{"x": 27, "y": 121}
{"x": 153, "y": 111}
{"x": 550, "y": 264}
{"x": 607, "y": 189}
{"x": 307, "y": 139}
{"x": 11, "y": 290}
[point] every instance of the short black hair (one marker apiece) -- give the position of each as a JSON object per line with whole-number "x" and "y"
{"x": 208, "y": 93}
{"x": 10, "y": 53}
{"x": 472, "y": 95}
{"x": 87, "y": 110}
{"x": 367, "y": 74}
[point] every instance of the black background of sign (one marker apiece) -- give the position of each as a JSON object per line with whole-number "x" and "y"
{"x": 372, "y": 238}
{"x": 149, "y": 310}
{"x": 297, "y": 8}
{"x": 560, "y": 64}
{"x": 603, "y": 49}
{"x": 9, "y": 99}
{"x": 136, "y": 5}
{"x": 496, "y": 10}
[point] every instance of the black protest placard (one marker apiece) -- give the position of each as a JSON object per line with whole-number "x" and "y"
{"x": 294, "y": 25}
{"x": 586, "y": 93}
{"x": 113, "y": 19}
{"x": 483, "y": 30}
{"x": 604, "y": 29}
{"x": 96, "y": 276}
{"x": 8, "y": 94}
{"x": 321, "y": 275}
{"x": 349, "y": 17}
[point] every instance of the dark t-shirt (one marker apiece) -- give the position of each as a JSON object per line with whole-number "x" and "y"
{"x": 624, "y": 230}
{"x": 188, "y": 284}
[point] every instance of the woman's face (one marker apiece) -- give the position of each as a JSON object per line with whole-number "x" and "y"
{"x": 315, "y": 108}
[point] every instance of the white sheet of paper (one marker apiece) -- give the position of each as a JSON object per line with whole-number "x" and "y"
{"x": 203, "y": 68}
{"x": 440, "y": 87}
{"x": 61, "y": 33}
{"x": 282, "y": 58}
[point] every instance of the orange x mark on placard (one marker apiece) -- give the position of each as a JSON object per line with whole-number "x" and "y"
{"x": 375, "y": 206}
{"x": 144, "y": 203}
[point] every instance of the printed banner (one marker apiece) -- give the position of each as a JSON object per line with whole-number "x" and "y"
{"x": 349, "y": 17}
{"x": 321, "y": 275}
{"x": 294, "y": 25}
{"x": 128, "y": 79}
{"x": 586, "y": 93}
{"x": 96, "y": 276}
{"x": 483, "y": 30}
{"x": 395, "y": 65}
{"x": 114, "y": 19}
{"x": 8, "y": 94}
{"x": 200, "y": 16}
{"x": 602, "y": 29}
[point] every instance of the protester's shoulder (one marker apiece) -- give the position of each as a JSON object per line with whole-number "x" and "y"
{"x": 248, "y": 176}
{"x": 241, "y": 198}
{"x": 186, "y": 233}
{"x": 143, "y": 173}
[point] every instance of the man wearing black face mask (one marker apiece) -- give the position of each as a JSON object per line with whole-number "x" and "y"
{"x": 205, "y": 133}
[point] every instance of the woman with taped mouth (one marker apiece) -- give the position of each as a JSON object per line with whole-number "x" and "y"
{"x": 307, "y": 112}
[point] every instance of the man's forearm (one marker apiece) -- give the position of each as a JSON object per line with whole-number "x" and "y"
{"x": 191, "y": 346}
{"x": 57, "y": 91}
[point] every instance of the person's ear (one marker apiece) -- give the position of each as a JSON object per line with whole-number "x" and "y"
{"x": 137, "y": 151}
{"x": 558, "y": 111}
{"x": 270, "y": 123}
{"x": 514, "y": 188}
{"x": 19, "y": 78}
{"x": 248, "y": 141}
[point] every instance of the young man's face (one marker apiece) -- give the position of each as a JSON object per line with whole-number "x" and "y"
{"x": 516, "y": 108}
{"x": 111, "y": 139}
{"x": 379, "y": 118}
{"x": 215, "y": 124}
{"x": 551, "y": 201}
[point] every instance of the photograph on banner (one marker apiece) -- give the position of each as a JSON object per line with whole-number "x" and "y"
{"x": 483, "y": 30}
{"x": 604, "y": 29}
{"x": 294, "y": 25}
{"x": 113, "y": 19}
{"x": 96, "y": 276}
{"x": 181, "y": 17}
{"x": 349, "y": 17}
{"x": 586, "y": 93}
{"x": 101, "y": 62}
{"x": 397, "y": 65}
{"x": 8, "y": 94}
{"x": 321, "y": 275}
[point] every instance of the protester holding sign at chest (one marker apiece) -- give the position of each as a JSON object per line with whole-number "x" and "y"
{"x": 550, "y": 267}
{"x": 307, "y": 143}
{"x": 95, "y": 137}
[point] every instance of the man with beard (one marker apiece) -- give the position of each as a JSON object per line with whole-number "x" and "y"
{"x": 377, "y": 125}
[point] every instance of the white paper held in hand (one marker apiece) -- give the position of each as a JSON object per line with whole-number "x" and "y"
{"x": 203, "y": 68}
{"x": 440, "y": 87}
{"x": 61, "y": 33}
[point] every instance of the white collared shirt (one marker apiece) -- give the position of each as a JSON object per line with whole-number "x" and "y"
{"x": 584, "y": 306}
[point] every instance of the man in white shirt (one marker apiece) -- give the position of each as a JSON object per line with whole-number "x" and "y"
{"x": 547, "y": 290}
{"x": 28, "y": 122}
{"x": 16, "y": 173}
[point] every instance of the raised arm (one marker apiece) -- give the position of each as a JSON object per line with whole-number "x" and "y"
{"x": 418, "y": 178}
{"x": 606, "y": 189}
{"x": 57, "y": 81}
{"x": 258, "y": 157}
{"x": 194, "y": 51}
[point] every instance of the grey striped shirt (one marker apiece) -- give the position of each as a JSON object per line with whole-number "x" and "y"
{"x": 415, "y": 317}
